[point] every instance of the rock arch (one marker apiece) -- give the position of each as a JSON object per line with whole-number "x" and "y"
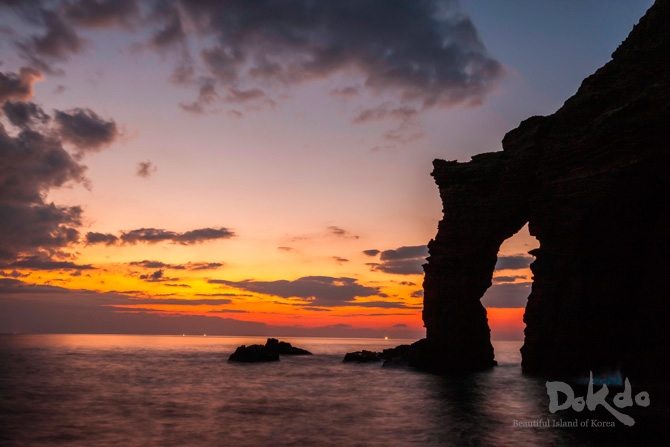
{"x": 590, "y": 182}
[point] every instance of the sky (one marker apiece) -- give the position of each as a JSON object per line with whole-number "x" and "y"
{"x": 262, "y": 167}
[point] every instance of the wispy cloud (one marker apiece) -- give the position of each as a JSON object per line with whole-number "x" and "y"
{"x": 341, "y": 232}
{"x": 145, "y": 169}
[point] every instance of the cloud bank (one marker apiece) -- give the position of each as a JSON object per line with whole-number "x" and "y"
{"x": 315, "y": 290}
{"x": 426, "y": 52}
{"x": 34, "y": 232}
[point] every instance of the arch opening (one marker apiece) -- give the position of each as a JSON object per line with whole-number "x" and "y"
{"x": 505, "y": 300}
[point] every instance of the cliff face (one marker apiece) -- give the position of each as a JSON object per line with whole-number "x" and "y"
{"x": 591, "y": 181}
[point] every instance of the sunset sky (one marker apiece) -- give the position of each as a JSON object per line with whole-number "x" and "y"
{"x": 262, "y": 167}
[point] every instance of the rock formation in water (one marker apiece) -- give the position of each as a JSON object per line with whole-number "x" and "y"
{"x": 269, "y": 352}
{"x": 362, "y": 357}
{"x": 398, "y": 356}
{"x": 591, "y": 181}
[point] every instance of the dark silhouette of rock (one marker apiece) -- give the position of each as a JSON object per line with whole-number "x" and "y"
{"x": 591, "y": 182}
{"x": 284, "y": 348}
{"x": 269, "y": 352}
{"x": 398, "y": 356}
{"x": 362, "y": 357}
{"x": 253, "y": 354}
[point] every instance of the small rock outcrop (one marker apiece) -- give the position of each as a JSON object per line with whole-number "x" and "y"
{"x": 362, "y": 357}
{"x": 253, "y": 354}
{"x": 590, "y": 181}
{"x": 398, "y": 356}
{"x": 269, "y": 352}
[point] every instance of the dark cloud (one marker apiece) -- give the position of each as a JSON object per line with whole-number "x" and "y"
{"x": 179, "y": 301}
{"x": 58, "y": 43}
{"x": 399, "y": 267}
{"x": 101, "y": 238}
{"x": 19, "y": 86}
{"x": 60, "y": 39}
{"x": 13, "y": 274}
{"x": 425, "y": 52}
{"x": 24, "y": 114}
{"x": 317, "y": 290}
{"x": 382, "y": 304}
{"x": 340, "y": 232}
{"x": 406, "y": 260}
{"x": 34, "y": 233}
{"x": 33, "y": 163}
{"x": 222, "y": 294}
{"x": 145, "y": 169}
{"x": 183, "y": 286}
{"x": 289, "y": 249}
{"x": 172, "y": 32}
{"x": 154, "y": 235}
{"x": 150, "y": 264}
{"x": 516, "y": 262}
{"x": 203, "y": 265}
{"x": 148, "y": 235}
{"x": 227, "y": 311}
{"x": 188, "y": 266}
{"x": 400, "y": 325}
{"x": 411, "y": 252}
{"x": 84, "y": 129}
{"x": 203, "y": 234}
{"x": 371, "y": 252}
{"x": 157, "y": 276}
{"x": 43, "y": 263}
{"x": 15, "y": 286}
{"x": 101, "y": 13}
{"x": 506, "y": 279}
{"x": 419, "y": 50}
{"x": 40, "y": 228}
{"x": 417, "y": 294}
{"x": 507, "y": 295}
{"x": 340, "y": 260}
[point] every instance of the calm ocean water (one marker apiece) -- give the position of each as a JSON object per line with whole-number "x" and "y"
{"x": 106, "y": 390}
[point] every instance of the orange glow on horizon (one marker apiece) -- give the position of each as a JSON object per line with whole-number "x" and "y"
{"x": 506, "y": 323}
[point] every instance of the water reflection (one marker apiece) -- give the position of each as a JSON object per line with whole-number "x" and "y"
{"x": 175, "y": 391}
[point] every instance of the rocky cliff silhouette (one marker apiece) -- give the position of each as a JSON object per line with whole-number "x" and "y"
{"x": 591, "y": 181}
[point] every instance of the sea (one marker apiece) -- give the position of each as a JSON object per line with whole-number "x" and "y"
{"x": 125, "y": 390}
